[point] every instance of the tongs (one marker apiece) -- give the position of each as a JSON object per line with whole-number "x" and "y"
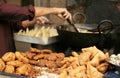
{"x": 72, "y": 24}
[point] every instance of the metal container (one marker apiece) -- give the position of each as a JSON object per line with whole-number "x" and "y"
{"x": 8, "y": 75}
{"x": 35, "y": 40}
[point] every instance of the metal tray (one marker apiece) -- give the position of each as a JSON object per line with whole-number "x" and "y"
{"x": 35, "y": 40}
{"x": 8, "y": 75}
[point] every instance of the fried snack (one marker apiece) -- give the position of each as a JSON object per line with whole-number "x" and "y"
{"x": 63, "y": 74}
{"x": 9, "y": 56}
{"x": 46, "y": 51}
{"x": 75, "y": 54}
{"x": 102, "y": 67}
{"x": 33, "y": 62}
{"x": 42, "y": 63}
{"x": 34, "y": 50}
{"x": 43, "y": 51}
{"x": 92, "y": 72}
{"x": 21, "y": 58}
{"x": 77, "y": 72}
{"x": 2, "y": 65}
{"x": 92, "y": 49}
{"x": 15, "y": 63}
{"x": 9, "y": 69}
{"x": 25, "y": 69}
{"x": 100, "y": 56}
{"x": 28, "y": 54}
{"x": 51, "y": 64}
{"x": 84, "y": 58}
{"x": 51, "y": 57}
{"x": 39, "y": 56}
{"x": 60, "y": 55}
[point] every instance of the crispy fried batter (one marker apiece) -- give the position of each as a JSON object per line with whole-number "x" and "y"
{"x": 21, "y": 58}
{"x": 102, "y": 67}
{"x": 51, "y": 64}
{"x": 39, "y": 56}
{"x": 34, "y": 50}
{"x": 9, "y": 69}
{"x": 42, "y": 63}
{"x": 46, "y": 51}
{"x": 29, "y": 55}
{"x": 24, "y": 69}
{"x": 2, "y": 65}
{"x": 92, "y": 72}
{"x": 33, "y": 62}
{"x": 9, "y": 56}
{"x": 15, "y": 63}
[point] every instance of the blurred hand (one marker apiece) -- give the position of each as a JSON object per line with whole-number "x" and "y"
{"x": 41, "y": 20}
{"x": 63, "y": 13}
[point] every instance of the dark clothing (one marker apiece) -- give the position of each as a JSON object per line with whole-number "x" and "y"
{"x": 10, "y": 18}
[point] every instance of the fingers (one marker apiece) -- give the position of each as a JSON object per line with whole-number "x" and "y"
{"x": 41, "y": 20}
{"x": 64, "y": 14}
{"x": 67, "y": 15}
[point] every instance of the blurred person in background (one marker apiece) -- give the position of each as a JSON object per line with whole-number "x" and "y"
{"x": 14, "y": 17}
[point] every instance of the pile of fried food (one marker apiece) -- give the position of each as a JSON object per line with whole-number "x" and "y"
{"x": 39, "y": 31}
{"x": 90, "y": 63}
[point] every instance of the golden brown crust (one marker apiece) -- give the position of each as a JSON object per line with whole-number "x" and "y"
{"x": 9, "y": 69}
{"x": 9, "y": 56}
{"x": 15, "y": 63}
{"x": 21, "y": 58}
{"x": 2, "y": 65}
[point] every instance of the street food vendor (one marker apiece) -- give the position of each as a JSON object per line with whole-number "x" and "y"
{"x": 14, "y": 16}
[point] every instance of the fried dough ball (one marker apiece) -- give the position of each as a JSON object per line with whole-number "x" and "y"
{"x": 21, "y": 58}
{"x": 9, "y": 69}
{"x": 9, "y": 56}
{"x": 2, "y": 65}
{"x": 15, "y": 63}
{"x": 24, "y": 69}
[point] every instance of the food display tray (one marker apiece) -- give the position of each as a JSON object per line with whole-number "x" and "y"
{"x": 35, "y": 40}
{"x": 8, "y": 75}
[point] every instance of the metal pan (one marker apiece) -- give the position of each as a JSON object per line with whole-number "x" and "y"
{"x": 81, "y": 40}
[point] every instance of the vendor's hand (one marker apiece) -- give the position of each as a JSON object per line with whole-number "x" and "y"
{"x": 63, "y": 13}
{"x": 41, "y": 20}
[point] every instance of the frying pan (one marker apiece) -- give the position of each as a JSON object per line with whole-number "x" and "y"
{"x": 80, "y": 40}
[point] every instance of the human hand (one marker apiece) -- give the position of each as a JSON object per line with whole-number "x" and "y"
{"x": 41, "y": 20}
{"x": 63, "y": 13}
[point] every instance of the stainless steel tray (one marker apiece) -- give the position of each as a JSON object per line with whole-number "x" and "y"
{"x": 35, "y": 40}
{"x": 8, "y": 75}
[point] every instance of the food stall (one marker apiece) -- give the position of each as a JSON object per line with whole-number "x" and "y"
{"x": 58, "y": 51}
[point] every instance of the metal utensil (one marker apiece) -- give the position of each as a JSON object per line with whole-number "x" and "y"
{"x": 72, "y": 24}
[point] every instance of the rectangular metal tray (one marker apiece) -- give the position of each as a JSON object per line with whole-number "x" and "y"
{"x": 8, "y": 75}
{"x": 35, "y": 40}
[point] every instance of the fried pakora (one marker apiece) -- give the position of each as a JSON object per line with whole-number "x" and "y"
{"x": 15, "y": 63}
{"x": 9, "y": 69}
{"x": 9, "y": 56}
{"x": 21, "y": 58}
{"x": 2, "y": 65}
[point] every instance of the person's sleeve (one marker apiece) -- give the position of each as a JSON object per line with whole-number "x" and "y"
{"x": 16, "y": 13}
